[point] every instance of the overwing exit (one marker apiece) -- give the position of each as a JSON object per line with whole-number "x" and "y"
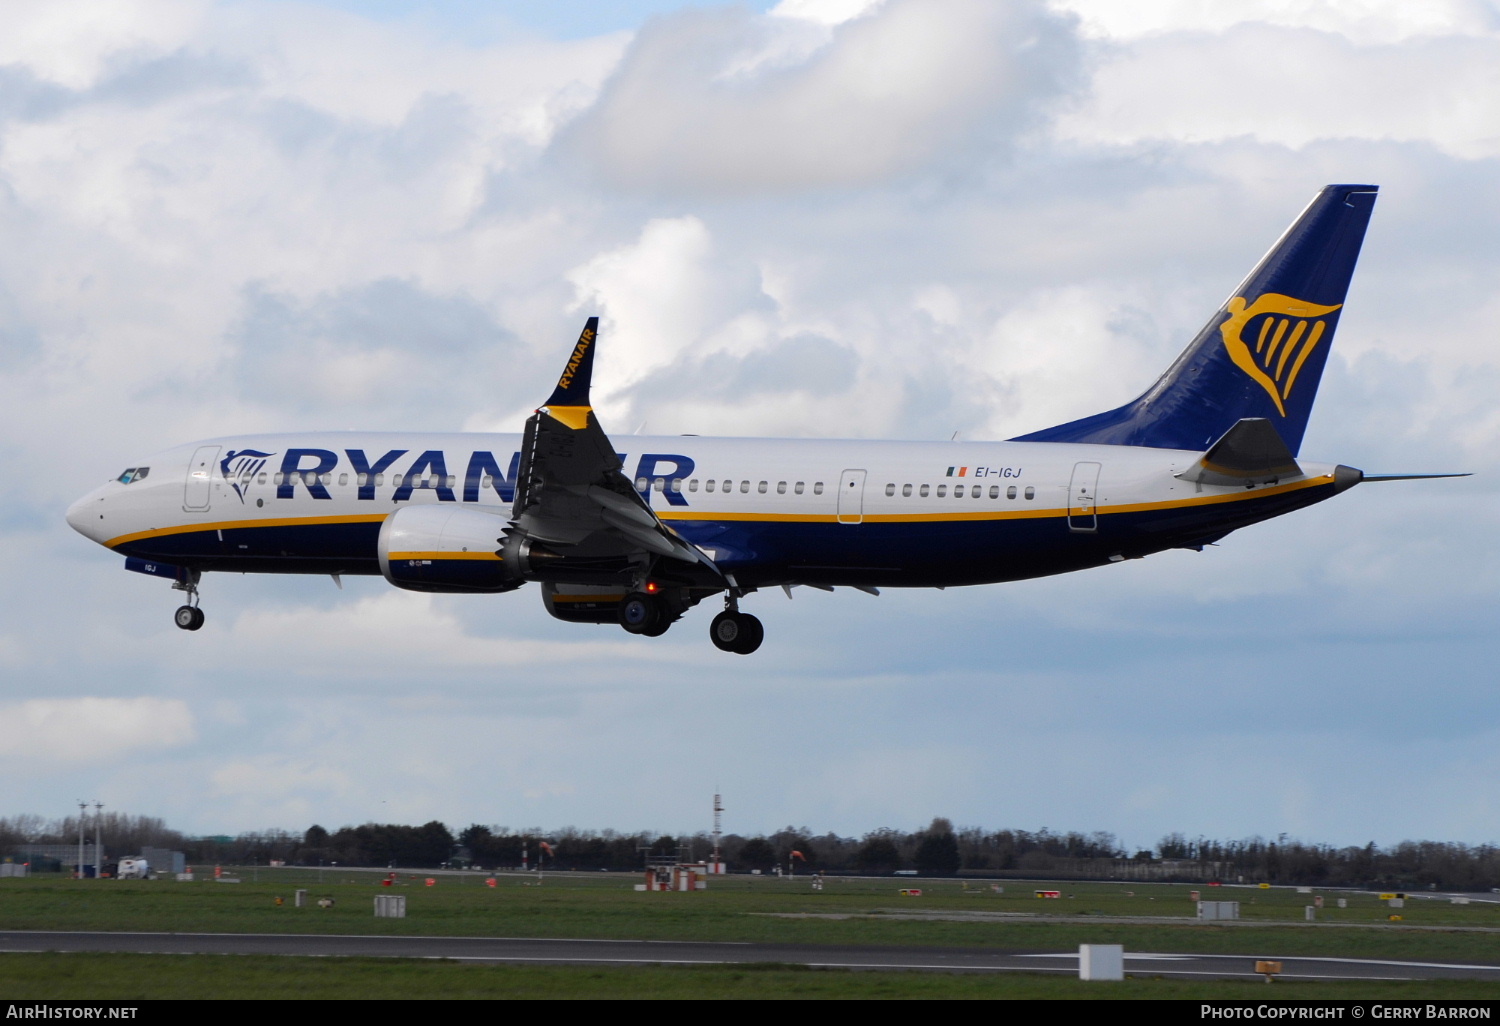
{"x": 638, "y": 535}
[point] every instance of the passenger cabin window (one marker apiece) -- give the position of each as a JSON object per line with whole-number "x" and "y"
{"x": 676, "y": 484}
{"x": 761, "y": 488}
{"x": 890, "y": 489}
{"x": 906, "y": 490}
{"x": 708, "y": 485}
{"x": 1010, "y": 493}
{"x": 780, "y": 487}
{"x": 744, "y": 487}
{"x": 659, "y": 484}
{"x": 262, "y": 478}
{"x": 923, "y": 491}
{"x": 693, "y": 484}
{"x": 942, "y": 491}
{"x": 1030, "y": 492}
{"x": 817, "y": 487}
{"x": 640, "y": 484}
{"x": 958, "y": 491}
{"x": 798, "y": 488}
{"x": 728, "y": 486}
{"x": 994, "y": 491}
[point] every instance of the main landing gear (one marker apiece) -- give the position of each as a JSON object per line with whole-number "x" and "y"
{"x": 737, "y": 632}
{"x": 189, "y": 617}
{"x": 645, "y": 614}
{"x": 650, "y": 613}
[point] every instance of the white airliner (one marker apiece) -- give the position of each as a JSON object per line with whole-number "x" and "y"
{"x": 637, "y": 534}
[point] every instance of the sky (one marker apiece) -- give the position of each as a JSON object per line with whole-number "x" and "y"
{"x": 828, "y": 218}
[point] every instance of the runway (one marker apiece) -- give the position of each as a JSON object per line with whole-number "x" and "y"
{"x": 548, "y": 951}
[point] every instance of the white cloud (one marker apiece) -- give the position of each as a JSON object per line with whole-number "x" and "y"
{"x": 824, "y": 12}
{"x": 1363, "y": 21}
{"x": 74, "y": 731}
{"x": 887, "y": 95}
{"x": 407, "y": 632}
{"x": 73, "y": 45}
{"x": 1293, "y": 86}
{"x": 658, "y": 295}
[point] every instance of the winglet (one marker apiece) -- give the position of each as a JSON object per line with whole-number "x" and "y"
{"x": 570, "y": 399}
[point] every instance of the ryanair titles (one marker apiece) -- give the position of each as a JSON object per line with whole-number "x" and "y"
{"x": 316, "y": 470}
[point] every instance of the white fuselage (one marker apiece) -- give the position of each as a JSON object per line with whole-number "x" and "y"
{"x": 772, "y": 510}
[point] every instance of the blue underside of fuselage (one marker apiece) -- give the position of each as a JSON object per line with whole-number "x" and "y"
{"x": 901, "y": 554}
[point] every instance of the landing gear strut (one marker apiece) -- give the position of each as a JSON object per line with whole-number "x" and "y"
{"x": 189, "y": 617}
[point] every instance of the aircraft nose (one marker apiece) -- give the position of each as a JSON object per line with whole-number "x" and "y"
{"x": 84, "y": 515}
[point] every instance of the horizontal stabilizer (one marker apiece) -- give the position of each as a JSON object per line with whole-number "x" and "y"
{"x": 1249, "y": 453}
{"x": 1411, "y": 477}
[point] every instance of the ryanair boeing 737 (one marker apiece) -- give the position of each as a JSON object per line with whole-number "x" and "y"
{"x": 639, "y": 534}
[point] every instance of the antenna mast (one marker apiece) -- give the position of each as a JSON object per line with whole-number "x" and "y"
{"x": 718, "y": 860}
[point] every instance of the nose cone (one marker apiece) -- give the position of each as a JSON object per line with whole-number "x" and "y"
{"x": 86, "y": 516}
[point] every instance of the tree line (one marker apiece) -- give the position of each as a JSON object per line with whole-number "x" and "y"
{"x": 938, "y": 850}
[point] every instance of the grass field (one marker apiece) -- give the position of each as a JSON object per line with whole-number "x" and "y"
{"x": 242, "y": 977}
{"x": 736, "y": 908}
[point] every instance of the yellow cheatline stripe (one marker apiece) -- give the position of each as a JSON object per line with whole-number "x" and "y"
{"x": 784, "y": 518}
{"x": 232, "y": 525}
{"x": 446, "y": 555}
{"x": 575, "y": 417}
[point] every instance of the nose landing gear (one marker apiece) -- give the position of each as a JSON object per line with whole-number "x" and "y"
{"x": 189, "y": 617}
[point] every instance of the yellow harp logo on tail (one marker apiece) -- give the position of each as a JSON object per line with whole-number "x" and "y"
{"x": 1289, "y": 331}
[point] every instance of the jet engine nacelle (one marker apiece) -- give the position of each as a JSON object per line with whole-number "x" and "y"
{"x": 446, "y": 549}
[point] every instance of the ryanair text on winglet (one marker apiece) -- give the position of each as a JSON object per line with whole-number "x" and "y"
{"x": 584, "y": 341}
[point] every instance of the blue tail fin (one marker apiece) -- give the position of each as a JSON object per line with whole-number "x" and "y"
{"x": 1262, "y": 354}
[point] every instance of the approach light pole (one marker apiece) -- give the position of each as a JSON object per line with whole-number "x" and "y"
{"x": 98, "y": 840}
{"x": 83, "y": 808}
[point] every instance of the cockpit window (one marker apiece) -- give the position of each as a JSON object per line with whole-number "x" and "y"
{"x": 133, "y": 474}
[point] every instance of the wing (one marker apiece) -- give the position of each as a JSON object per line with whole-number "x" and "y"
{"x": 571, "y": 490}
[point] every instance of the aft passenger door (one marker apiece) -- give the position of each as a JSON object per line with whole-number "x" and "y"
{"x": 1082, "y": 493}
{"x": 200, "y": 476}
{"x": 852, "y": 497}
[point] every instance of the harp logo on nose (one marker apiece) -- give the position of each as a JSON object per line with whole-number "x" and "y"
{"x": 1271, "y": 338}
